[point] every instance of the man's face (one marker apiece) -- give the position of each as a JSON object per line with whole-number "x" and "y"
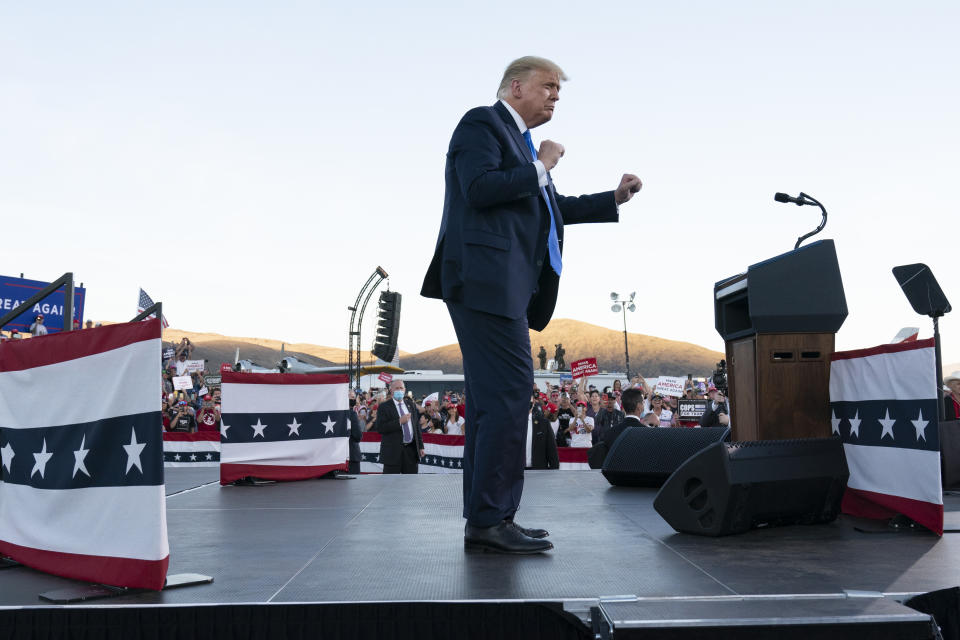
{"x": 954, "y": 386}
{"x": 535, "y": 98}
{"x": 609, "y": 402}
{"x": 397, "y": 385}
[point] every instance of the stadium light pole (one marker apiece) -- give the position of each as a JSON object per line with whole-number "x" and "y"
{"x": 624, "y": 304}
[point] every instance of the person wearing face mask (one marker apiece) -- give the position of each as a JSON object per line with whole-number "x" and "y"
{"x": 356, "y": 434}
{"x": 401, "y": 445}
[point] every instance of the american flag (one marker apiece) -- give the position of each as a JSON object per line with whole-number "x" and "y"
{"x": 81, "y": 482}
{"x": 283, "y": 426}
{"x": 884, "y": 407}
{"x": 144, "y": 303}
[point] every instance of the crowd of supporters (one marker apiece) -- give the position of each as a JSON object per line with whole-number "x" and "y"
{"x": 188, "y": 410}
{"x": 578, "y": 412}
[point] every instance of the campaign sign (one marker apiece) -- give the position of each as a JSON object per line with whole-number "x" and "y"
{"x": 168, "y": 353}
{"x": 224, "y": 367}
{"x": 182, "y": 383}
{"x": 212, "y": 381}
{"x": 670, "y": 386}
{"x": 691, "y": 409}
{"x": 585, "y": 367}
{"x": 194, "y": 365}
{"x": 14, "y": 291}
{"x": 385, "y": 377}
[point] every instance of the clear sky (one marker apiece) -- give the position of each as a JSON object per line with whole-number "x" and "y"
{"x": 250, "y": 164}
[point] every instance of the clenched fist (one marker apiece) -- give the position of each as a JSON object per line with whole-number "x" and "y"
{"x": 629, "y": 185}
{"x": 550, "y": 153}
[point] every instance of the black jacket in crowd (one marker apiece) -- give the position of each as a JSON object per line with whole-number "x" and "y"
{"x": 543, "y": 449}
{"x": 711, "y": 417}
{"x": 604, "y": 421}
{"x": 356, "y": 435}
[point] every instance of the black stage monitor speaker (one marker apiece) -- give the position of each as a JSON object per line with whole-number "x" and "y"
{"x": 646, "y": 456}
{"x": 732, "y": 487}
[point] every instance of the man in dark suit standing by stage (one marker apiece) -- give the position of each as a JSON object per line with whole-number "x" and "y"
{"x": 497, "y": 266}
{"x": 401, "y": 445}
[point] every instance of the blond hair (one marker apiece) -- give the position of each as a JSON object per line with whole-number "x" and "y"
{"x": 521, "y": 68}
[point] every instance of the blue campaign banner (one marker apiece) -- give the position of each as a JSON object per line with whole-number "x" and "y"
{"x": 14, "y": 291}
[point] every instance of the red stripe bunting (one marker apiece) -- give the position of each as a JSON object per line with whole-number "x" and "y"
{"x": 200, "y": 436}
{"x": 231, "y": 472}
{"x": 880, "y": 506}
{"x": 116, "y": 572}
{"x": 235, "y": 377}
{"x": 884, "y": 348}
{"x": 18, "y": 355}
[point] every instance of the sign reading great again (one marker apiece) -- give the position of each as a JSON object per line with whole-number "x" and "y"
{"x": 15, "y": 291}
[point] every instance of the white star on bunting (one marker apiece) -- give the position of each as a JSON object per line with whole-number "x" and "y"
{"x": 329, "y": 425}
{"x": 294, "y": 427}
{"x": 41, "y": 458}
{"x": 176, "y": 457}
{"x": 223, "y": 429}
{"x": 209, "y": 456}
{"x": 193, "y": 457}
{"x": 835, "y": 422}
{"x": 887, "y": 425}
{"x": 134, "y": 449}
{"x": 79, "y": 456}
{"x": 855, "y": 424}
{"x": 258, "y": 429}
{"x": 921, "y": 426}
{"x": 7, "y": 455}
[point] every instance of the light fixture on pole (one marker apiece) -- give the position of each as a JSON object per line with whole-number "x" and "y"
{"x": 624, "y": 305}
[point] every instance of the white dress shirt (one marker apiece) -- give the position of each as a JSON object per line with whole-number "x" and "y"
{"x": 541, "y": 170}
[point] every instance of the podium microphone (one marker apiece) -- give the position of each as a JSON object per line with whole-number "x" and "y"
{"x": 801, "y": 200}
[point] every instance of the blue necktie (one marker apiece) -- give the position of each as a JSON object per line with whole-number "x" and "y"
{"x": 553, "y": 244}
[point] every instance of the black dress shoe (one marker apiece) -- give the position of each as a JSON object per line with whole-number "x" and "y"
{"x": 530, "y": 533}
{"x": 502, "y": 538}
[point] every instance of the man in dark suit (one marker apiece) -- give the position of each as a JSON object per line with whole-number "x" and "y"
{"x": 632, "y": 402}
{"x": 356, "y": 435}
{"x": 497, "y": 266}
{"x": 401, "y": 445}
{"x": 543, "y": 441}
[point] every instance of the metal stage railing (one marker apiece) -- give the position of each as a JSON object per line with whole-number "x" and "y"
{"x": 356, "y": 320}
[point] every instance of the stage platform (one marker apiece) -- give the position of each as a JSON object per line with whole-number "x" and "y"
{"x": 399, "y": 539}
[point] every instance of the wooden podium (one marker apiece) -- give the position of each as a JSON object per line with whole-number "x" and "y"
{"x": 779, "y": 321}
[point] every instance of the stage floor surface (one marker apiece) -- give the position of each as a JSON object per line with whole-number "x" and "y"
{"x": 400, "y": 538}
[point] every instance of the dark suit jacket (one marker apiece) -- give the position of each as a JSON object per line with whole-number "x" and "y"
{"x": 356, "y": 435}
{"x": 388, "y": 426}
{"x": 491, "y": 254}
{"x": 543, "y": 449}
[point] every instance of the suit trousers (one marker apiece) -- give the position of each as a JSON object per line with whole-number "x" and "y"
{"x": 409, "y": 461}
{"x": 498, "y": 380}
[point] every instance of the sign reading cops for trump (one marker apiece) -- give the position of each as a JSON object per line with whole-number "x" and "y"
{"x": 691, "y": 409}
{"x": 14, "y": 291}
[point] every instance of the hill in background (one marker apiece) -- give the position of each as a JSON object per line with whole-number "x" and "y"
{"x": 648, "y": 355}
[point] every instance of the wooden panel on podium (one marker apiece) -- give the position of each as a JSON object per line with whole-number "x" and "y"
{"x": 793, "y": 372}
{"x": 742, "y": 388}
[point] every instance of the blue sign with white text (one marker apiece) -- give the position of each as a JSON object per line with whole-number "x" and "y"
{"x": 14, "y": 291}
